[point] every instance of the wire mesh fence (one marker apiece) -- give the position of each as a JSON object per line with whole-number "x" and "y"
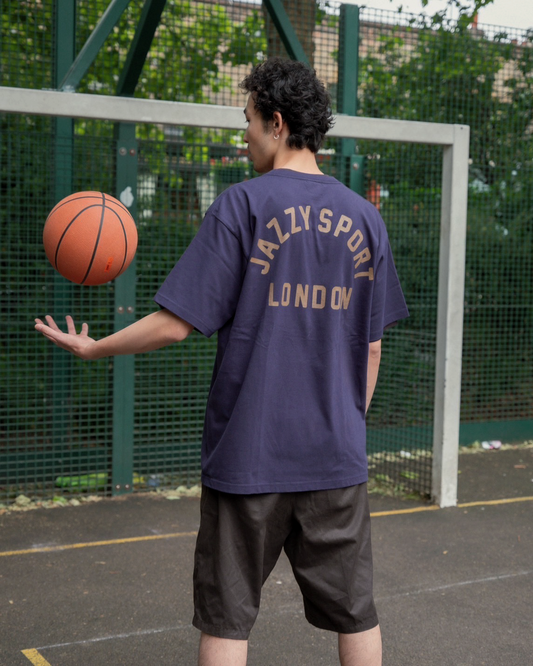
{"x": 415, "y": 68}
{"x": 56, "y": 413}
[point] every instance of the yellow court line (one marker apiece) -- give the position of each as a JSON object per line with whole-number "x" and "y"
{"x": 501, "y": 501}
{"x": 375, "y": 514}
{"x": 35, "y": 658}
{"x": 91, "y": 544}
{"x": 399, "y": 512}
{"x": 463, "y": 505}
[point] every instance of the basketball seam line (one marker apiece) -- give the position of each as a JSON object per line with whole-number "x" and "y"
{"x": 72, "y": 197}
{"x": 65, "y": 232}
{"x": 125, "y": 243}
{"x": 97, "y": 240}
{"x": 111, "y": 210}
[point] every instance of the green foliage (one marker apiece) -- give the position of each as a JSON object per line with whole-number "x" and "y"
{"x": 25, "y": 39}
{"x": 467, "y": 11}
{"x": 451, "y": 75}
{"x": 436, "y": 71}
{"x": 247, "y": 42}
{"x": 191, "y": 42}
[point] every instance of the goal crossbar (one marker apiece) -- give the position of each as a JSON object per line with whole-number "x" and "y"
{"x": 454, "y": 140}
{"x": 133, "y": 110}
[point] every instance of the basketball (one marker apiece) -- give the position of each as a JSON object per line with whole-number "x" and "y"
{"x": 90, "y": 238}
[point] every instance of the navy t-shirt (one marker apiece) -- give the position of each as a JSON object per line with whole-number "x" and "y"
{"x": 296, "y": 274}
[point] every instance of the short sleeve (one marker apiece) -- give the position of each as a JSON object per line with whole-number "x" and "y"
{"x": 388, "y": 302}
{"x": 204, "y": 286}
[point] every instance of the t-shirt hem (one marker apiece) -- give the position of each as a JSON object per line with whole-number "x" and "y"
{"x": 392, "y": 319}
{"x": 283, "y": 487}
{"x": 185, "y": 314}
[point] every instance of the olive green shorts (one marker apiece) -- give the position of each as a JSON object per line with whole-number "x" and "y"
{"x": 326, "y": 536}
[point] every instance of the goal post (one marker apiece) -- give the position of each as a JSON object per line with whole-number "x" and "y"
{"x": 454, "y": 140}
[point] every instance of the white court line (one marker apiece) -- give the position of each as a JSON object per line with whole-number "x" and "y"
{"x": 144, "y": 632}
{"x": 429, "y": 590}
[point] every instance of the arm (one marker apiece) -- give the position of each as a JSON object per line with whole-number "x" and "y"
{"x": 374, "y": 358}
{"x": 154, "y": 331}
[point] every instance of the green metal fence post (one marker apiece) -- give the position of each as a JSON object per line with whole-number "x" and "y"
{"x": 352, "y": 165}
{"x": 124, "y": 366}
{"x": 64, "y": 49}
{"x": 348, "y": 64}
{"x": 126, "y": 191}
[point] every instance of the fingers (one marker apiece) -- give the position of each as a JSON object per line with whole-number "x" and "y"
{"x": 45, "y": 329}
{"x": 77, "y": 344}
{"x": 71, "y": 327}
{"x": 52, "y": 331}
{"x": 51, "y": 323}
{"x": 40, "y": 325}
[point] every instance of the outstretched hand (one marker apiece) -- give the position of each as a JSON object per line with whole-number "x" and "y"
{"x": 78, "y": 344}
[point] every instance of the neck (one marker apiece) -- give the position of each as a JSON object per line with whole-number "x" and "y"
{"x": 302, "y": 160}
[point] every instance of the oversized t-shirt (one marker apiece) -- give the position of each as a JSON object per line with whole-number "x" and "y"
{"x": 295, "y": 272}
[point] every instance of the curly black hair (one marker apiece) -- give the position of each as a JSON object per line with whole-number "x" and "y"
{"x": 293, "y": 89}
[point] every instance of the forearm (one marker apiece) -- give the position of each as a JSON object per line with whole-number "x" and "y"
{"x": 157, "y": 330}
{"x": 154, "y": 331}
{"x": 374, "y": 359}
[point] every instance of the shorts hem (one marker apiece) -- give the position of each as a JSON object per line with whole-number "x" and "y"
{"x": 219, "y": 632}
{"x": 354, "y": 628}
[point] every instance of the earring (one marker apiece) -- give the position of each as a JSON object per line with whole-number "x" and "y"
{"x": 276, "y": 137}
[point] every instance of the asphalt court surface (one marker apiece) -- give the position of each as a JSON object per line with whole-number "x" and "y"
{"x": 111, "y": 582}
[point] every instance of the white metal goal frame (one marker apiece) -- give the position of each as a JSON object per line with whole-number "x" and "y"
{"x": 454, "y": 140}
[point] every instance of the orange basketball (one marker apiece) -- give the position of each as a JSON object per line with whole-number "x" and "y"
{"x": 90, "y": 238}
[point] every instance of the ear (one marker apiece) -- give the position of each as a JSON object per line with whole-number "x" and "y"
{"x": 277, "y": 122}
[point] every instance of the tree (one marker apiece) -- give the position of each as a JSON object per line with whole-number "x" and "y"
{"x": 191, "y": 43}
{"x": 467, "y": 11}
{"x": 451, "y": 74}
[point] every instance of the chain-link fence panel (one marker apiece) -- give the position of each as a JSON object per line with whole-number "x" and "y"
{"x": 416, "y": 68}
{"x": 57, "y": 413}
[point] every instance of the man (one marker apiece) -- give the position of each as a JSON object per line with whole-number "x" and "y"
{"x": 295, "y": 273}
